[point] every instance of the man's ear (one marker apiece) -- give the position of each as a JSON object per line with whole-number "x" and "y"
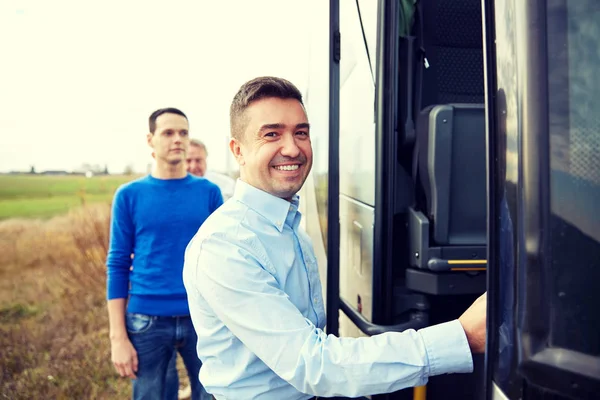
{"x": 149, "y": 137}
{"x": 236, "y": 149}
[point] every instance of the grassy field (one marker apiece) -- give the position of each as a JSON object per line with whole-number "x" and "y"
{"x": 53, "y": 321}
{"x": 36, "y": 196}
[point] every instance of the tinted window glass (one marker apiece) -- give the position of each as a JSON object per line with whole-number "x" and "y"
{"x": 574, "y": 234}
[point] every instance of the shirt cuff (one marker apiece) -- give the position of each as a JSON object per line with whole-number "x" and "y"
{"x": 447, "y": 348}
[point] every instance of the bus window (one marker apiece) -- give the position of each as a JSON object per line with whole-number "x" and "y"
{"x": 574, "y": 234}
{"x": 547, "y": 209}
{"x": 356, "y": 158}
{"x": 357, "y": 89}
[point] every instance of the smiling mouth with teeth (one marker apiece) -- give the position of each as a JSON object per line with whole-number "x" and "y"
{"x": 287, "y": 167}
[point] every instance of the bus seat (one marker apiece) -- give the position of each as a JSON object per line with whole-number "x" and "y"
{"x": 447, "y": 224}
{"x": 441, "y": 61}
{"x": 453, "y": 172}
{"x": 448, "y": 221}
{"x": 449, "y": 227}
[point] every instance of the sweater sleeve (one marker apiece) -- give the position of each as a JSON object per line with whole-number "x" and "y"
{"x": 121, "y": 244}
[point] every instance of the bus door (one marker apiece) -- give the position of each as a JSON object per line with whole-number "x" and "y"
{"x": 542, "y": 62}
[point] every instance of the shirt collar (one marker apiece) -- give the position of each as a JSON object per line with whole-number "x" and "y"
{"x": 275, "y": 209}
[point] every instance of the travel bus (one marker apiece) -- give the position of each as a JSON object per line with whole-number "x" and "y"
{"x": 457, "y": 151}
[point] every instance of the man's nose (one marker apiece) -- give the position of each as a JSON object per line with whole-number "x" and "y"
{"x": 290, "y": 147}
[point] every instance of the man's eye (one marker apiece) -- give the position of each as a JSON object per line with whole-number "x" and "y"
{"x": 271, "y": 134}
{"x": 184, "y": 133}
{"x": 302, "y": 133}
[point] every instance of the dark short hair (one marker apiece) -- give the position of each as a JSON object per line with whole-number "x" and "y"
{"x": 256, "y": 89}
{"x": 161, "y": 111}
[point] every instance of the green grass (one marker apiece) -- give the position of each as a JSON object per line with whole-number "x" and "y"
{"x": 17, "y": 311}
{"x": 34, "y": 196}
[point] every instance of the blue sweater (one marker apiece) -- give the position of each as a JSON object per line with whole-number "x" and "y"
{"x": 155, "y": 219}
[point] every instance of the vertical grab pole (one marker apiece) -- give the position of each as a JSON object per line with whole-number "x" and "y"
{"x": 333, "y": 194}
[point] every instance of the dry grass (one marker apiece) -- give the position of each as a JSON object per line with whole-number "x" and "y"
{"x": 53, "y": 321}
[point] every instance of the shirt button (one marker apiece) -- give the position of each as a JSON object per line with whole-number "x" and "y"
{"x": 316, "y": 300}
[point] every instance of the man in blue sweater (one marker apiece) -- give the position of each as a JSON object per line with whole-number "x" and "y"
{"x": 154, "y": 218}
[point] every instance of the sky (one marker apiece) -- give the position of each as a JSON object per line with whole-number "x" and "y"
{"x": 79, "y": 79}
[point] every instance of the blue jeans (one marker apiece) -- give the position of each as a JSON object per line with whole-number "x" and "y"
{"x": 172, "y": 381}
{"x": 156, "y": 339}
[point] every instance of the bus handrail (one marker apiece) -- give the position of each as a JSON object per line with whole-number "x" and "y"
{"x": 419, "y": 319}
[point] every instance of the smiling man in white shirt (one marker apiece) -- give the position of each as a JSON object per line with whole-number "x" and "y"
{"x": 253, "y": 285}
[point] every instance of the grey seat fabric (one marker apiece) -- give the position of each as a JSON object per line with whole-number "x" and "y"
{"x": 453, "y": 173}
{"x": 453, "y": 45}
